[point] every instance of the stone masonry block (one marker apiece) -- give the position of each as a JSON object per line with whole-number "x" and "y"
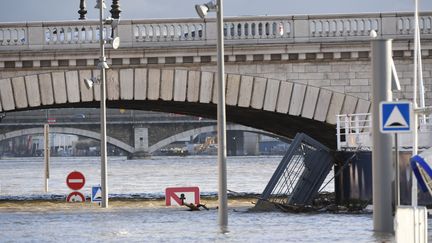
{"x": 193, "y": 86}
{"x": 180, "y": 85}
{"x": 127, "y": 84}
{"x": 323, "y": 105}
{"x": 271, "y": 95}
{"x": 154, "y": 79}
{"x": 297, "y": 99}
{"x": 140, "y": 84}
{"x": 72, "y": 86}
{"x": 46, "y": 89}
{"x": 233, "y": 86}
{"x": 206, "y": 87}
{"x": 33, "y": 94}
{"x": 335, "y": 107}
{"x": 19, "y": 92}
{"x": 258, "y": 93}
{"x": 96, "y": 91}
{"x": 359, "y": 82}
{"x": 310, "y": 102}
{"x": 59, "y": 86}
{"x": 113, "y": 84}
{"x": 284, "y": 97}
{"x": 167, "y": 84}
{"x": 6, "y": 95}
{"x": 86, "y": 93}
{"x": 246, "y": 87}
{"x": 350, "y": 104}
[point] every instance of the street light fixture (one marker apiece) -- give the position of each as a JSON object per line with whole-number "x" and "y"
{"x": 90, "y": 82}
{"x": 202, "y": 11}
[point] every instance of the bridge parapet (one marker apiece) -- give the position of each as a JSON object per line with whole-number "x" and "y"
{"x": 179, "y": 32}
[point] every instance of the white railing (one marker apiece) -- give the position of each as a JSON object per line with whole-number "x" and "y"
{"x": 353, "y": 131}
{"x": 168, "y": 32}
{"x": 13, "y": 36}
{"x": 290, "y": 29}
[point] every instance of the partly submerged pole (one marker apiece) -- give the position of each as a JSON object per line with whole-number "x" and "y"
{"x": 221, "y": 122}
{"x": 415, "y": 105}
{"x": 47, "y": 155}
{"x": 382, "y": 168}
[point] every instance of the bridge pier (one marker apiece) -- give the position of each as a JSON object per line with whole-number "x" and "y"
{"x": 250, "y": 143}
{"x": 140, "y": 143}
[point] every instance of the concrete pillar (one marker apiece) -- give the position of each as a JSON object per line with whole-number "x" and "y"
{"x": 141, "y": 142}
{"x": 36, "y": 38}
{"x": 301, "y": 28}
{"x": 126, "y": 33}
{"x": 250, "y": 143}
{"x": 211, "y": 31}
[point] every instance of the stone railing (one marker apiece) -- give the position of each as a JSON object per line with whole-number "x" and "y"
{"x": 172, "y": 32}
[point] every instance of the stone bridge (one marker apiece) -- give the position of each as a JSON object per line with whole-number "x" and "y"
{"x": 279, "y": 107}
{"x": 286, "y": 74}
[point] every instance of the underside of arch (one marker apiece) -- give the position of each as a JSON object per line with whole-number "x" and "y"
{"x": 66, "y": 130}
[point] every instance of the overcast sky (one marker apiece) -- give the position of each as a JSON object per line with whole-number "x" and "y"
{"x": 49, "y": 10}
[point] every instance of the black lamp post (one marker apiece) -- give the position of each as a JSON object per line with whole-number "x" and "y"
{"x": 83, "y": 10}
{"x": 115, "y": 9}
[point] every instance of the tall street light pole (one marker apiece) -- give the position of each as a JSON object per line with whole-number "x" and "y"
{"x": 221, "y": 121}
{"x": 102, "y": 65}
{"x": 202, "y": 11}
{"x": 103, "y": 147}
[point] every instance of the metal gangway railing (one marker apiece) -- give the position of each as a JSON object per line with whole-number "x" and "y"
{"x": 354, "y": 131}
{"x": 299, "y": 175}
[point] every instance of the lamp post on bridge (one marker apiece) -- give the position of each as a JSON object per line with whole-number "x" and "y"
{"x": 202, "y": 11}
{"x": 102, "y": 65}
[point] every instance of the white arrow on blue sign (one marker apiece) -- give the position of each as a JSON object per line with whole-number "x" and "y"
{"x": 395, "y": 116}
{"x": 96, "y": 194}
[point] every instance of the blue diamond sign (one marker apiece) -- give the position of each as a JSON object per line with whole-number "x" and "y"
{"x": 395, "y": 117}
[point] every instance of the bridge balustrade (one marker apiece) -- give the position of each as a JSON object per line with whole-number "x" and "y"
{"x": 137, "y": 33}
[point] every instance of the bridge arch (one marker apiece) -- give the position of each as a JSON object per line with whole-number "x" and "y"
{"x": 278, "y": 106}
{"x": 67, "y": 130}
{"x": 199, "y": 130}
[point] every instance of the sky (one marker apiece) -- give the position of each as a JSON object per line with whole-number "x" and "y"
{"x": 53, "y": 10}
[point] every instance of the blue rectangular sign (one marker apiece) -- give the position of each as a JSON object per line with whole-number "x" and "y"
{"x": 395, "y": 117}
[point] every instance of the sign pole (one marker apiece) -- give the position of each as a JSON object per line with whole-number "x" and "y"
{"x": 382, "y": 169}
{"x": 46, "y": 156}
{"x": 397, "y": 175}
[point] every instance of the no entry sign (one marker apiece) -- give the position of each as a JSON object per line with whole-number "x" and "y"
{"x": 75, "y": 180}
{"x": 75, "y": 197}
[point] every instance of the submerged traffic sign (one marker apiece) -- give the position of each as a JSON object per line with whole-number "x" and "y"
{"x": 395, "y": 117}
{"x": 75, "y": 180}
{"x": 75, "y": 197}
{"x": 96, "y": 194}
{"x": 181, "y": 195}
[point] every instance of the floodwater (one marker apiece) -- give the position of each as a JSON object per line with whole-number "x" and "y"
{"x": 31, "y": 220}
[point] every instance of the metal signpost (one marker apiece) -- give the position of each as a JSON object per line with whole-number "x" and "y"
{"x": 396, "y": 117}
{"x": 382, "y": 169}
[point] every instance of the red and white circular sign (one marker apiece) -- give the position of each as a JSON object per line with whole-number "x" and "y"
{"x": 75, "y": 197}
{"x": 75, "y": 180}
